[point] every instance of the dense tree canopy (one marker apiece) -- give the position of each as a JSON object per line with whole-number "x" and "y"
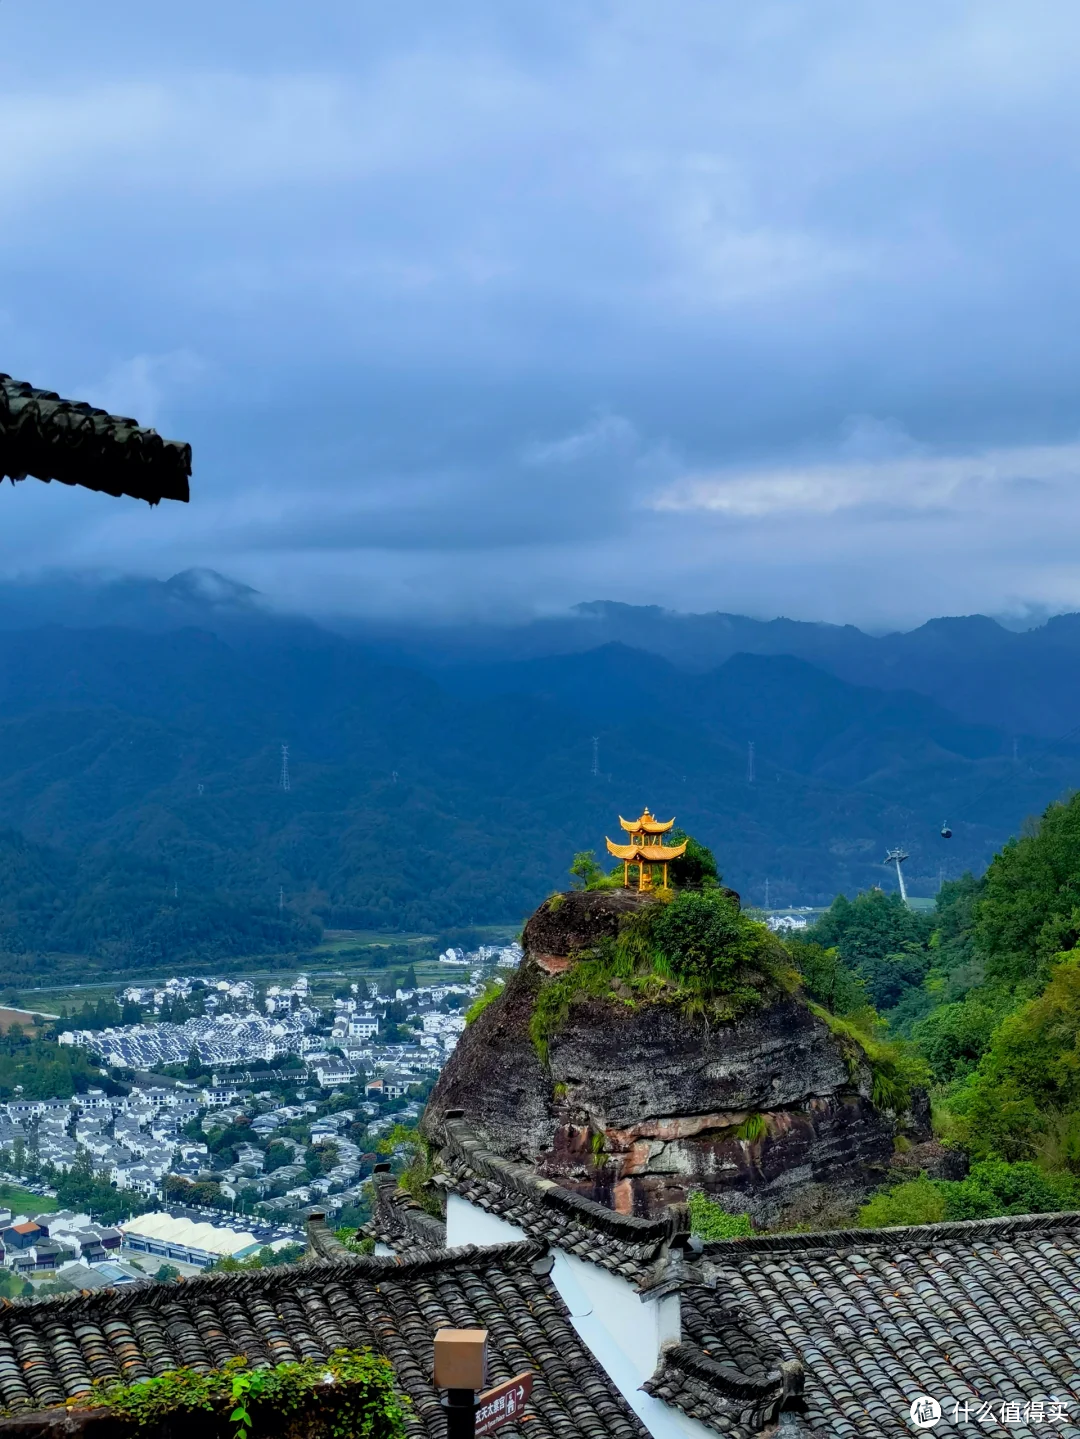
{"x": 881, "y": 940}
{"x": 996, "y": 1014}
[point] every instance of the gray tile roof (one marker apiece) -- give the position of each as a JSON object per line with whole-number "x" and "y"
{"x": 725, "y": 1373}
{"x": 52, "y": 1349}
{"x": 858, "y": 1322}
{"x": 622, "y": 1243}
{"x": 983, "y": 1312}
{"x": 398, "y": 1221}
{"x": 54, "y": 439}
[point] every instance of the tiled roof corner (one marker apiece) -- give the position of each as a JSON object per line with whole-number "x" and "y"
{"x": 719, "y": 1395}
{"x": 322, "y": 1242}
{"x": 52, "y": 1350}
{"x": 398, "y": 1221}
{"x": 54, "y": 439}
{"x": 624, "y": 1243}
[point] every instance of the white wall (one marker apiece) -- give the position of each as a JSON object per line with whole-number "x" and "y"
{"x": 468, "y": 1224}
{"x": 623, "y": 1332}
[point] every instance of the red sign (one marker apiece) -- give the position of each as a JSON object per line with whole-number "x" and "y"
{"x": 499, "y": 1406}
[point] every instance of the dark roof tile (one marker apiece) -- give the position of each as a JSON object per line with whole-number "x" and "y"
{"x": 51, "y": 1350}
{"x": 54, "y": 439}
{"x": 623, "y": 1243}
{"x": 976, "y": 1312}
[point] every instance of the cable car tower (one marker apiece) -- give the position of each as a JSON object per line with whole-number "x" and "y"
{"x": 897, "y": 857}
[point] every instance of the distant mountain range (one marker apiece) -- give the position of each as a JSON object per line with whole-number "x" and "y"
{"x": 446, "y": 777}
{"x": 1023, "y": 682}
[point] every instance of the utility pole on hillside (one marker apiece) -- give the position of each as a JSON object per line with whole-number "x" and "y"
{"x": 750, "y": 762}
{"x": 897, "y": 857}
{"x": 595, "y": 755}
{"x": 281, "y": 899}
{"x": 766, "y": 894}
{"x": 285, "y": 784}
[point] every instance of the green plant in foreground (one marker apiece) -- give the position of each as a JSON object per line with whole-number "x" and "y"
{"x": 709, "y": 1220}
{"x": 362, "y": 1400}
{"x": 348, "y": 1237}
{"x": 422, "y": 1163}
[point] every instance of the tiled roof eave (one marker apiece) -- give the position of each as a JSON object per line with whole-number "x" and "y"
{"x": 623, "y": 1243}
{"x": 48, "y": 438}
{"x": 51, "y": 1350}
{"x": 906, "y": 1236}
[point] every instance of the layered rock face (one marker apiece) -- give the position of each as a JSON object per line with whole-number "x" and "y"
{"x": 637, "y": 1104}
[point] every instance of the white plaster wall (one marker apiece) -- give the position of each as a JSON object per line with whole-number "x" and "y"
{"x": 467, "y": 1224}
{"x": 624, "y": 1333}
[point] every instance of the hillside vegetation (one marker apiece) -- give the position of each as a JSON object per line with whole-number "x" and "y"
{"x": 987, "y": 990}
{"x": 146, "y": 825}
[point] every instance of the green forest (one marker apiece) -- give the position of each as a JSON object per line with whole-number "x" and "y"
{"x": 146, "y": 826}
{"x": 984, "y": 993}
{"x": 63, "y": 913}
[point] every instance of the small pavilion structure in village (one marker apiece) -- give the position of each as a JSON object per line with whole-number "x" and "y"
{"x": 48, "y": 438}
{"x": 646, "y": 851}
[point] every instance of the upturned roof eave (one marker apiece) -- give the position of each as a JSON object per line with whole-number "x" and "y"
{"x": 45, "y": 437}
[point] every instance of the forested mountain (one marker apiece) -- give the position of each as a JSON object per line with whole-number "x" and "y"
{"x": 140, "y": 763}
{"x": 1026, "y": 682}
{"x": 987, "y": 992}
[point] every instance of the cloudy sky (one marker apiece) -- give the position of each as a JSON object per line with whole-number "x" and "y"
{"x": 471, "y": 307}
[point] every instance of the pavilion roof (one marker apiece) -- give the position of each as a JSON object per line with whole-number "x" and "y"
{"x": 650, "y": 853}
{"x": 54, "y": 439}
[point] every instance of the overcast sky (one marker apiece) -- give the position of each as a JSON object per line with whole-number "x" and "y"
{"x": 489, "y": 308}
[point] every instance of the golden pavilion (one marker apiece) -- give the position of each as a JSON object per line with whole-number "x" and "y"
{"x": 645, "y": 850}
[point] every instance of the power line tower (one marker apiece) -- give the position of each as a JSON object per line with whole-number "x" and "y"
{"x": 595, "y": 755}
{"x": 897, "y": 857}
{"x": 750, "y": 762}
{"x": 286, "y": 785}
{"x": 766, "y": 894}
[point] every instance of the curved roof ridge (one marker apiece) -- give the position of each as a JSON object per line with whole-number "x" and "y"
{"x": 689, "y": 1356}
{"x": 463, "y": 1142}
{"x": 856, "y": 1239}
{"x": 287, "y": 1278}
{"x": 396, "y": 1206}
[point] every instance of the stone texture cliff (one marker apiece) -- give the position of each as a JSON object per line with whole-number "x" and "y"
{"x": 638, "y": 1104}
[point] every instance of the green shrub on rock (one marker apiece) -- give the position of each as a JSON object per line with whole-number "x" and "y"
{"x": 694, "y": 949}
{"x": 992, "y": 1189}
{"x": 709, "y": 1220}
{"x": 918, "y": 1201}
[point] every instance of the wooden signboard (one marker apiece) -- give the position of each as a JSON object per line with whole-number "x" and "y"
{"x": 500, "y": 1406}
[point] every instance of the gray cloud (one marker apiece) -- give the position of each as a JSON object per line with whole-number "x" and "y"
{"x": 498, "y": 308}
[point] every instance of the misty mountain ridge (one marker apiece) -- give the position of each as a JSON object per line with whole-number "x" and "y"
{"x": 1026, "y": 682}
{"x": 427, "y": 798}
{"x": 437, "y": 783}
